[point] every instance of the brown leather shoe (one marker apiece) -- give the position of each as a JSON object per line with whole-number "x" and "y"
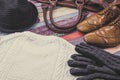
{"x": 99, "y": 19}
{"x": 108, "y": 36}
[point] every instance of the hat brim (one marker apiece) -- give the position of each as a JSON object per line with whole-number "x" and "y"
{"x": 33, "y": 16}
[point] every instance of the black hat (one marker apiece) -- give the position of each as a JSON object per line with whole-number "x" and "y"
{"x": 17, "y": 15}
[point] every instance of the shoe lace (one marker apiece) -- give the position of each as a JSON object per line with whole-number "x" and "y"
{"x": 116, "y": 22}
{"x": 108, "y": 12}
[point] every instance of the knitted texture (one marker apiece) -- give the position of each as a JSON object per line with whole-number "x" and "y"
{"x": 28, "y": 56}
{"x": 94, "y": 63}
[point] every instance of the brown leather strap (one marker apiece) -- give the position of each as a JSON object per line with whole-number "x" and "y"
{"x": 59, "y": 29}
{"x": 51, "y": 27}
{"x": 79, "y": 7}
{"x": 90, "y": 6}
{"x": 87, "y": 5}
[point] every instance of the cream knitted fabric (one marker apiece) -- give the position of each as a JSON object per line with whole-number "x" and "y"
{"x": 28, "y": 56}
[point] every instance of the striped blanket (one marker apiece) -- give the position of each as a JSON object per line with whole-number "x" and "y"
{"x": 62, "y": 16}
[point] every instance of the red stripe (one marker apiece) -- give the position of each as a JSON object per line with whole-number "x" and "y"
{"x": 118, "y": 1}
{"x": 72, "y": 36}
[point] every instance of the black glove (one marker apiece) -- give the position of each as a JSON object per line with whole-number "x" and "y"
{"x": 94, "y": 63}
{"x": 86, "y": 67}
{"x": 100, "y": 56}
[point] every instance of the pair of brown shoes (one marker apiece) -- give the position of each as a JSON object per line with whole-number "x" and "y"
{"x": 104, "y": 27}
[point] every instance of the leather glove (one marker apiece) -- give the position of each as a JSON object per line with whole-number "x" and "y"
{"x": 91, "y": 65}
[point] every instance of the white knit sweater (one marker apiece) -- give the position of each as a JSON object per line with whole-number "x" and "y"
{"x": 28, "y": 56}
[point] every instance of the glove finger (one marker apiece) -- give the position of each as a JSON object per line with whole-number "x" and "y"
{"x": 78, "y": 57}
{"x": 87, "y": 53}
{"x": 100, "y": 59}
{"x": 100, "y": 76}
{"x": 73, "y": 63}
{"x": 111, "y": 56}
{"x": 75, "y": 55}
{"x": 79, "y": 71}
{"x": 97, "y": 56}
{"x": 104, "y": 59}
{"x": 86, "y": 45}
{"x": 102, "y": 69}
{"x": 98, "y": 50}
